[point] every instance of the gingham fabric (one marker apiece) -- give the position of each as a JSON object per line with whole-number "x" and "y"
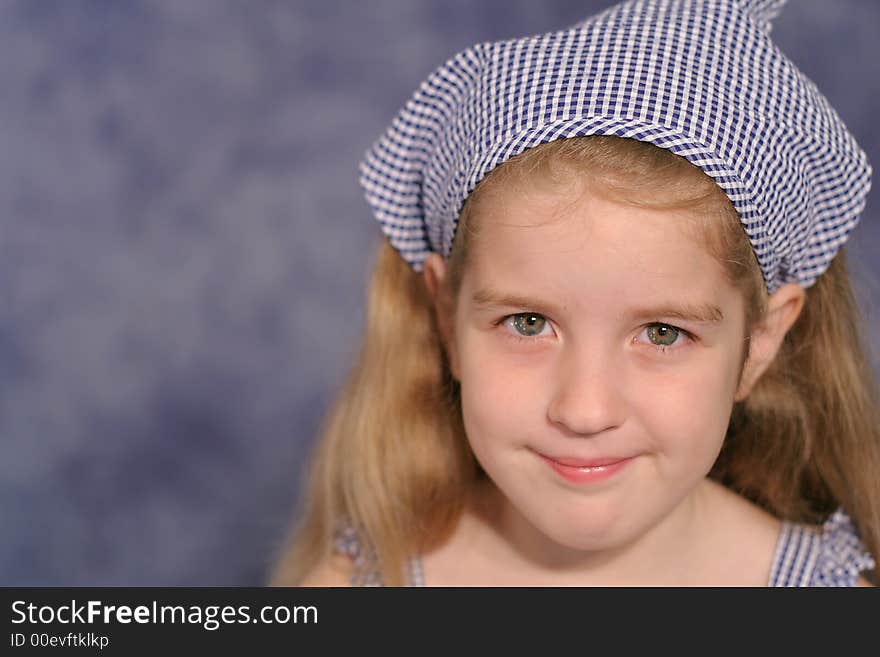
{"x": 700, "y": 78}
{"x": 833, "y": 556}
{"x": 830, "y": 555}
{"x": 366, "y": 570}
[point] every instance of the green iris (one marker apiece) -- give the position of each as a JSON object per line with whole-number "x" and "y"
{"x": 529, "y": 324}
{"x": 665, "y": 335}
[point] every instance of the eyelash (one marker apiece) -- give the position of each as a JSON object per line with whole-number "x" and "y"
{"x": 663, "y": 349}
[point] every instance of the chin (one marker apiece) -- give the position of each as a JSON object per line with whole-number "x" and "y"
{"x": 587, "y": 539}
{"x": 586, "y": 531}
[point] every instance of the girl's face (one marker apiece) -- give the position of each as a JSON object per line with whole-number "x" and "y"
{"x": 598, "y": 348}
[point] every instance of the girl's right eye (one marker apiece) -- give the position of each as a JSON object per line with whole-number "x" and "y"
{"x": 526, "y": 326}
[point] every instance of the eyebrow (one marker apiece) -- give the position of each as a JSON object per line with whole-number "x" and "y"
{"x": 703, "y": 313}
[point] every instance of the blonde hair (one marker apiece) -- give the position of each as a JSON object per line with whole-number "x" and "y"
{"x": 393, "y": 460}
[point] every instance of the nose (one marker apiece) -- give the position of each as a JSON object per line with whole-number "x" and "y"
{"x": 587, "y": 397}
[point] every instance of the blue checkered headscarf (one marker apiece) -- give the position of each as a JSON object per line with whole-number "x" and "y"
{"x": 700, "y": 78}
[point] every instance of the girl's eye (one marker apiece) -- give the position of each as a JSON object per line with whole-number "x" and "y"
{"x": 664, "y": 336}
{"x": 526, "y": 325}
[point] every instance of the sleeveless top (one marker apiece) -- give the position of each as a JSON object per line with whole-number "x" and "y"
{"x": 830, "y": 555}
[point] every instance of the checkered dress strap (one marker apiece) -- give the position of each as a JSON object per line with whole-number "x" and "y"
{"x": 830, "y": 555}
{"x": 366, "y": 566}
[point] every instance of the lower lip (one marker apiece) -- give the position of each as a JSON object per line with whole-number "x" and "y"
{"x": 587, "y": 475}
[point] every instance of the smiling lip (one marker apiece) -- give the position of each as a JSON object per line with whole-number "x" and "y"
{"x": 584, "y": 471}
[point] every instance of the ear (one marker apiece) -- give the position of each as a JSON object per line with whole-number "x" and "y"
{"x": 783, "y": 308}
{"x": 434, "y": 272}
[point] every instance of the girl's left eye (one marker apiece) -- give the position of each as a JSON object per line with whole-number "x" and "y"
{"x": 664, "y": 336}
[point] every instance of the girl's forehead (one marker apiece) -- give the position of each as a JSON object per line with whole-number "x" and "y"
{"x": 590, "y": 250}
{"x": 515, "y": 224}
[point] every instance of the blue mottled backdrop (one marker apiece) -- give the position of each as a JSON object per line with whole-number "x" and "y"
{"x": 184, "y": 251}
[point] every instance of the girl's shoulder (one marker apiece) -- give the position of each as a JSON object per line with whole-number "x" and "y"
{"x": 336, "y": 571}
{"x": 831, "y": 554}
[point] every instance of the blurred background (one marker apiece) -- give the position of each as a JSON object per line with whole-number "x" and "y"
{"x": 184, "y": 252}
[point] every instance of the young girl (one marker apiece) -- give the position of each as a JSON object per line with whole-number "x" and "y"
{"x": 611, "y": 339}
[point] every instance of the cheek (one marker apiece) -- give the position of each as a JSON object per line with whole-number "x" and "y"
{"x": 498, "y": 401}
{"x": 687, "y": 412}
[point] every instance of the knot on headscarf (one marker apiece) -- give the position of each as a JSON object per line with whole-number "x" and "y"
{"x": 762, "y": 11}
